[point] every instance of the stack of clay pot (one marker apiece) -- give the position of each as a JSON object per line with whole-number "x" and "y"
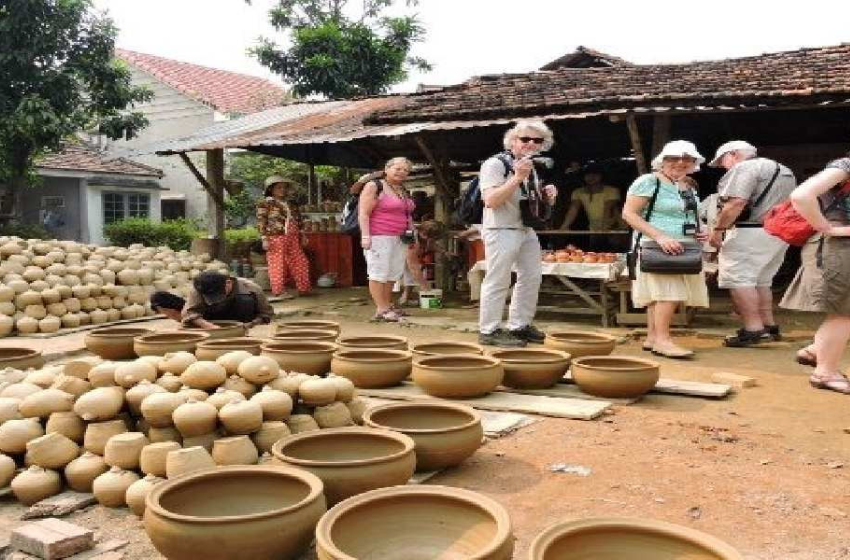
{"x": 49, "y": 285}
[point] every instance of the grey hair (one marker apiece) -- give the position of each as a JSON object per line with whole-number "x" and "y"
{"x": 400, "y": 159}
{"x": 537, "y": 126}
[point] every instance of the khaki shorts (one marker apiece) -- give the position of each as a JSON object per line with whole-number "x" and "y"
{"x": 836, "y": 275}
{"x": 749, "y": 258}
{"x": 385, "y": 260}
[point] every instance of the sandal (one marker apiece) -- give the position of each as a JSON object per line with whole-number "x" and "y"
{"x": 673, "y": 352}
{"x": 388, "y": 316}
{"x": 647, "y": 346}
{"x": 837, "y": 382}
{"x": 806, "y": 357}
{"x": 399, "y": 311}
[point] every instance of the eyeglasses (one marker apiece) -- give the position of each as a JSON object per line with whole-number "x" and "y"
{"x": 527, "y": 139}
{"x": 687, "y": 159}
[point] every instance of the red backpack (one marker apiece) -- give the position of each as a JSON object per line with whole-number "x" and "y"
{"x": 783, "y": 220}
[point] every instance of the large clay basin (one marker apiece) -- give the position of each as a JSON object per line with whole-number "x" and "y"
{"x": 627, "y": 539}
{"x": 210, "y": 350}
{"x": 226, "y": 329}
{"x": 306, "y": 334}
{"x": 256, "y": 512}
{"x": 458, "y": 375}
{"x": 416, "y": 523}
{"x": 313, "y": 324}
{"x": 114, "y": 343}
{"x": 581, "y": 343}
{"x": 614, "y": 376}
{"x": 445, "y": 433}
{"x": 372, "y": 368}
{"x": 160, "y": 344}
{"x": 445, "y": 347}
{"x": 349, "y": 461}
{"x": 313, "y": 358}
{"x": 21, "y": 358}
{"x": 386, "y": 342}
{"x": 532, "y": 368}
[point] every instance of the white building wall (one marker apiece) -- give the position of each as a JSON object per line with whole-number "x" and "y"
{"x": 93, "y": 212}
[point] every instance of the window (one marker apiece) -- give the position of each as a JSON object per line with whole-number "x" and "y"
{"x": 118, "y": 206}
{"x": 138, "y": 206}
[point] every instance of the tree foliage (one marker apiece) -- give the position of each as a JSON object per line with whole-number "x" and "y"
{"x": 339, "y": 56}
{"x": 58, "y": 78}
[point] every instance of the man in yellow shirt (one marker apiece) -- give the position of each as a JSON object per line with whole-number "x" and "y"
{"x": 598, "y": 201}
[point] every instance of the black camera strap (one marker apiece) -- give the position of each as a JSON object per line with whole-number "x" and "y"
{"x": 649, "y": 208}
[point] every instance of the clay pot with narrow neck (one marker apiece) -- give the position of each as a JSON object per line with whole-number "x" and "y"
{"x": 384, "y": 342}
{"x": 35, "y": 484}
{"x": 153, "y": 456}
{"x": 138, "y": 492}
{"x": 236, "y": 450}
{"x": 308, "y": 324}
{"x": 532, "y": 368}
{"x": 268, "y": 434}
{"x": 7, "y": 470}
{"x": 188, "y": 460}
{"x": 306, "y": 334}
{"x": 458, "y": 375}
{"x": 226, "y": 329}
{"x": 160, "y": 344}
{"x": 158, "y": 408}
{"x": 445, "y": 347}
{"x": 614, "y": 376}
{"x": 137, "y": 394}
{"x": 45, "y": 402}
{"x": 114, "y": 343}
{"x": 372, "y": 368}
{"x": 581, "y": 343}
{"x": 258, "y": 370}
{"x": 81, "y": 472}
{"x": 299, "y": 423}
{"x": 110, "y": 488}
{"x": 20, "y": 358}
{"x": 215, "y": 348}
{"x": 100, "y": 404}
{"x": 51, "y": 451}
{"x": 231, "y": 359}
{"x": 204, "y": 375}
{"x": 313, "y": 358}
{"x": 194, "y": 418}
{"x": 334, "y": 415}
{"x": 124, "y": 450}
{"x": 276, "y": 405}
{"x": 98, "y": 433}
{"x": 241, "y": 417}
{"x": 68, "y": 424}
{"x": 15, "y": 434}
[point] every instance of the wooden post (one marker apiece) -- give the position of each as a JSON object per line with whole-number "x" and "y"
{"x": 311, "y": 181}
{"x": 215, "y": 202}
{"x": 660, "y": 133}
{"x": 637, "y": 146}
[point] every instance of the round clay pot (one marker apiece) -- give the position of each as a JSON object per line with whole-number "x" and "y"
{"x": 306, "y": 334}
{"x": 317, "y": 391}
{"x": 458, "y": 375}
{"x": 581, "y": 343}
{"x": 153, "y": 456}
{"x": 240, "y": 385}
{"x": 226, "y": 329}
{"x": 349, "y": 461}
{"x": 100, "y": 404}
{"x": 136, "y": 395}
{"x": 445, "y": 433}
{"x": 195, "y": 418}
{"x": 15, "y": 434}
{"x": 532, "y": 368}
{"x": 204, "y": 375}
{"x": 81, "y": 472}
{"x": 158, "y": 408}
{"x": 276, "y": 405}
{"x": 372, "y": 368}
{"x": 68, "y": 424}
{"x": 36, "y": 484}
{"x": 7, "y": 470}
{"x": 20, "y": 358}
{"x": 627, "y": 539}
{"x": 110, "y": 488}
{"x": 258, "y": 370}
{"x": 232, "y": 358}
{"x": 313, "y": 358}
{"x": 51, "y": 451}
{"x": 9, "y": 409}
{"x": 20, "y": 390}
{"x": 269, "y": 434}
{"x": 114, "y": 343}
{"x": 214, "y": 349}
{"x": 176, "y": 363}
{"x": 421, "y": 521}
{"x": 384, "y": 342}
{"x": 138, "y": 492}
{"x": 98, "y": 434}
{"x": 188, "y": 460}
{"x": 160, "y": 344}
{"x": 241, "y": 417}
{"x": 232, "y": 512}
{"x": 345, "y": 390}
{"x": 357, "y": 406}
{"x": 160, "y": 435}
{"x": 299, "y": 423}
{"x": 224, "y": 396}
{"x": 124, "y": 450}
{"x": 46, "y": 402}
{"x": 204, "y": 440}
{"x": 236, "y": 450}
{"x": 103, "y": 375}
{"x": 445, "y": 347}
{"x": 334, "y": 415}
{"x": 307, "y": 324}
{"x": 614, "y": 376}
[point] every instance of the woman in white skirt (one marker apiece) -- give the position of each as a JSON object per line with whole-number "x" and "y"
{"x": 671, "y": 223}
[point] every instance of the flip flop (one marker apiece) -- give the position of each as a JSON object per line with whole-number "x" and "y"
{"x": 838, "y": 383}
{"x": 679, "y": 354}
{"x": 806, "y": 357}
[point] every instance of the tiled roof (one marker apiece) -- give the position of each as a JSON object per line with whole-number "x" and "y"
{"x": 81, "y": 157}
{"x": 801, "y": 77}
{"x": 227, "y": 92}
{"x": 584, "y": 57}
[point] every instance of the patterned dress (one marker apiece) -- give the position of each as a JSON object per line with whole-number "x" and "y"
{"x": 280, "y": 225}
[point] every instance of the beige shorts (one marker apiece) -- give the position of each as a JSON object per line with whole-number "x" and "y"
{"x": 385, "y": 260}
{"x": 749, "y": 258}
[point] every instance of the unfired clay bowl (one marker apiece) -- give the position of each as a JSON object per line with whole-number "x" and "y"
{"x": 615, "y": 376}
{"x": 308, "y": 324}
{"x": 627, "y": 539}
{"x": 422, "y": 522}
{"x": 306, "y": 334}
{"x": 372, "y": 368}
{"x": 210, "y": 350}
{"x": 385, "y": 342}
{"x": 532, "y": 368}
{"x": 581, "y": 343}
{"x": 349, "y": 461}
{"x": 445, "y": 433}
{"x": 226, "y": 329}
{"x": 445, "y": 347}
{"x": 21, "y": 358}
{"x": 257, "y": 512}
{"x": 458, "y": 375}
{"x": 313, "y": 358}
{"x": 114, "y": 343}
{"x": 162, "y": 343}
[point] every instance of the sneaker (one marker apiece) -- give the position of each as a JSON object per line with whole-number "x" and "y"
{"x": 744, "y": 338}
{"x": 501, "y": 338}
{"x": 773, "y": 331}
{"x": 529, "y": 333}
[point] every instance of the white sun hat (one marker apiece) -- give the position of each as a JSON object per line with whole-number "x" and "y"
{"x": 678, "y": 148}
{"x": 731, "y": 146}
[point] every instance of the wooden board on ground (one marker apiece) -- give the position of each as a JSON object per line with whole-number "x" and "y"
{"x": 567, "y": 391}
{"x": 59, "y": 505}
{"x": 576, "y": 409}
{"x": 682, "y": 387}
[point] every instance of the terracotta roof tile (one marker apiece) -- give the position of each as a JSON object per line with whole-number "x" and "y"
{"x": 81, "y": 157}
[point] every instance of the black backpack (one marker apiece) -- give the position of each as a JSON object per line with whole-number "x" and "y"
{"x": 349, "y": 218}
{"x": 470, "y": 210}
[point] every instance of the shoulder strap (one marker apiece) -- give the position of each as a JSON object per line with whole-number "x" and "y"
{"x": 506, "y": 161}
{"x": 758, "y": 200}
{"x": 650, "y": 207}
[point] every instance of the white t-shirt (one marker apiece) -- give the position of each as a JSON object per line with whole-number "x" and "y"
{"x": 493, "y": 174}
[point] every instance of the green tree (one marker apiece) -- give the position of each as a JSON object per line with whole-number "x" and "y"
{"x": 338, "y": 56}
{"x": 58, "y": 78}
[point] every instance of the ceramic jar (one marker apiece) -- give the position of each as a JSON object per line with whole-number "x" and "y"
{"x": 72, "y": 385}
{"x": 214, "y": 349}
{"x": 236, "y": 450}
{"x": 276, "y": 405}
{"x": 135, "y": 395}
{"x": 240, "y": 385}
{"x": 51, "y": 451}
{"x": 241, "y": 417}
{"x": 226, "y": 329}
{"x": 81, "y": 472}
{"x": 268, "y": 434}
{"x": 98, "y": 433}
{"x": 357, "y": 406}
{"x": 130, "y": 374}
{"x": 372, "y": 368}
{"x": 317, "y": 391}
{"x": 532, "y": 368}
{"x": 334, "y": 415}
{"x": 184, "y": 461}
{"x": 231, "y": 359}
{"x": 20, "y": 390}
{"x": 313, "y": 358}
{"x": 170, "y": 382}
{"x": 159, "y": 344}
{"x": 458, "y": 376}
{"x": 195, "y": 418}
{"x": 138, "y": 492}
{"x": 100, "y": 404}
{"x": 176, "y": 362}
{"x": 614, "y": 376}
{"x": 345, "y": 390}
{"x": 581, "y": 343}
{"x": 21, "y": 358}
{"x": 153, "y": 456}
{"x": 9, "y": 409}
{"x": 103, "y": 375}
{"x": 114, "y": 343}
{"x": 7, "y": 470}
{"x": 258, "y": 369}
{"x": 158, "y": 408}
{"x": 159, "y": 435}
{"x": 299, "y": 423}
{"x": 288, "y": 383}
{"x": 36, "y": 484}
{"x": 204, "y": 375}
{"x": 110, "y": 488}
{"x": 45, "y": 402}
{"x": 384, "y": 342}
{"x": 15, "y": 434}
{"x": 68, "y": 424}
{"x": 124, "y": 450}
{"x": 204, "y": 440}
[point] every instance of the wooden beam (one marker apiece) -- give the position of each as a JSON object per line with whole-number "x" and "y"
{"x": 441, "y": 183}
{"x": 199, "y": 176}
{"x": 215, "y": 178}
{"x": 637, "y": 145}
{"x": 660, "y": 132}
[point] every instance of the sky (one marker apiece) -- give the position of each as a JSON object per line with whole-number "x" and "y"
{"x": 468, "y": 38}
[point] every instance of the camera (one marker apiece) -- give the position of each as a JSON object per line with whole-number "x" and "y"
{"x": 690, "y": 200}
{"x": 408, "y": 237}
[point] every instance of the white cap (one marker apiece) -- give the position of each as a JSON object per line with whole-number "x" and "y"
{"x": 731, "y": 146}
{"x": 678, "y": 148}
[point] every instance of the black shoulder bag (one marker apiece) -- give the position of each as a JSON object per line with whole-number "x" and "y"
{"x": 747, "y": 212}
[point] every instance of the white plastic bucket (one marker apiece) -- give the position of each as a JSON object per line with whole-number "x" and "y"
{"x": 431, "y": 299}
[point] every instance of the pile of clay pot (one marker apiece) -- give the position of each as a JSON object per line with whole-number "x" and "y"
{"x": 118, "y": 428}
{"x": 49, "y": 285}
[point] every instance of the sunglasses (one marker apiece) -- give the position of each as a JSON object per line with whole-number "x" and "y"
{"x": 527, "y": 139}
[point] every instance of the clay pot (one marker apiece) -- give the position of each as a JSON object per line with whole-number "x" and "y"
{"x": 299, "y": 423}
{"x": 313, "y": 358}
{"x": 170, "y": 382}
{"x": 276, "y": 405}
{"x": 20, "y": 390}
{"x": 581, "y": 343}
{"x": 195, "y": 418}
{"x": 138, "y": 492}
{"x": 110, "y": 488}
{"x": 36, "y": 484}
{"x": 160, "y": 435}
{"x": 232, "y": 358}
{"x": 81, "y": 472}
{"x": 627, "y": 539}
{"x": 98, "y": 434}
{"x": 445, "y": 433}
{"x": 176, "y": 362}
{"x": 226, "y": 329}
{"x": 204, "y": 375}
{"x": 258, "y": 369}
{"x": 153, "y": 456}
{"x": 445, "y": 347}
{"x": 51, "y": 451}
{"x": 158, "y": 408}
{"x": 288, "y": 383}
{"x": 306, "y": 334}
{"x": 100, "y": 404}
{"x": 139, "y": 393}
{"x": 317, "y": 391}
{"x": 236, "y": 383}
{"x": 7, "y": 470}
{"x": 349, "y": 461}
{"x": 458, "y": 376}
{"x": 243, "y": 506}
{"x": 268, "y": 434}
{"x": 204, "y": 440}
{"x": 614, "y": 376}
{"x": 193, "y": 394}
{"x": 224, "y": 396}
{"x": 308, "y": 324}
{"x": 345, "y": 390}
{"x": 15, "y": 434}
{"x": 124, "y": 450}
{"x": 241, "y": 417}
{"x": 236, "y": 450}
{"x": 372, "y": 368}
{"x": 44, "y": 403}
{"x": 160, "y": 344}
{"x": 422, "y": 521}
{"x": 357, "y": 406}
{"x": 44, "y": 377}
{"x": 212, "y": 350}
{"x": 114, "y": 343}
{"x": 103, "y": 375}
{"x": 532, "y": 368}
{"x": 334, "y": 415}
{"x": 68, "y": 424}
{"x": 386, "y": 342}
{"x": 20, "y": 358}
{"x": 184, "y": 461}
{"x": 130, "y": 374}
{"x": 72, "y": 385}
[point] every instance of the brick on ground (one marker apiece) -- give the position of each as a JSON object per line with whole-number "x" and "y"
{"x": 735, "y": 380}
{"x": 51, "y": 539}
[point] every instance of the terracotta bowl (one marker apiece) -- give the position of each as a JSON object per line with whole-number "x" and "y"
{"x": 627, "y": 539}
{"x": 211, "y": 349}
{"x": 458, "y": 375}
{"x": 232, "y": 512}
{"x": 21, "y": 358}
{"x": 581, "y": 343}
{"x": 614, "y": 376}
{"x": 532, "y": 368}
{"x": 349, "y": 461}
{"x": 306, "y": 334}
{"x": 416, "y": 523}
{"x": 445, "y": 433}
{"x": 311, "y": 357}
{"x": 226, "y": 329}
{"x": 372, "y": 368}
{"x": 114, "y": 343}
{"x": 161, "y": 343}
{"x": 308, "y": 324}
{"x": 444, "y": 348}
{"x": 387, "y": 342}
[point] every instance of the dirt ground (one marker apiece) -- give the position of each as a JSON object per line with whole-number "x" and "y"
{"x": 765, "y": 469}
